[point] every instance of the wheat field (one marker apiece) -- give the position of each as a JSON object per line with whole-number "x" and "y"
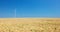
{"x": 29, "y": 24}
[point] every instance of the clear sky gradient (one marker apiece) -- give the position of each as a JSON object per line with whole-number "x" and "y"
{"x": 29, "y": 8}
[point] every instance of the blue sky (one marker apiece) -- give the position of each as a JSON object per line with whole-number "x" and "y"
{"x": 29, "y": 8}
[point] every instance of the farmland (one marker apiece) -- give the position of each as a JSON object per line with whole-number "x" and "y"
{"x": 29, "y": 25}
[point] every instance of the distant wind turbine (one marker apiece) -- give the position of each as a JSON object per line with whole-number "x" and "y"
{"x": 15, "y": 13}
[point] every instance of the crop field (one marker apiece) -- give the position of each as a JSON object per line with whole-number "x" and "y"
{"x": 29, "y": 25}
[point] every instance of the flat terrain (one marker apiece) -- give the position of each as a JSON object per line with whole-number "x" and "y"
{"x": 29, "y": 24}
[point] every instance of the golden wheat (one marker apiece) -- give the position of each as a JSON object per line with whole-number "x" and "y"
{"x": 29, "y": 25}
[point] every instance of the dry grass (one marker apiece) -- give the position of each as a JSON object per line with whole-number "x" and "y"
{"x": 29, "y": 25}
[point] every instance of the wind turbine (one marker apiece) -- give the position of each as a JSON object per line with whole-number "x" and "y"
{"x": 15, "y": 13}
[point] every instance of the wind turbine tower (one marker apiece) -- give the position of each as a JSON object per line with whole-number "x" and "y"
{"x": 15, "y": 14}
